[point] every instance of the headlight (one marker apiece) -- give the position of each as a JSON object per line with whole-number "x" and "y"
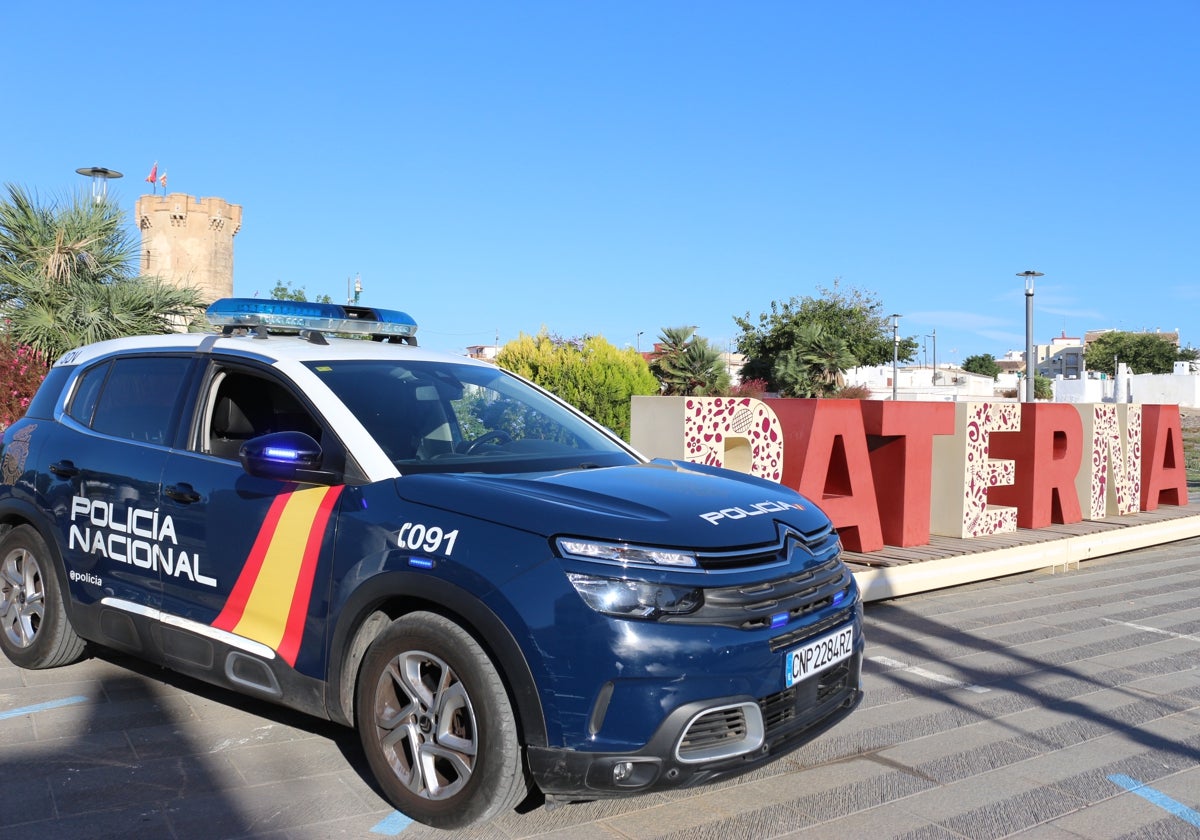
{"x": 624, "y": 553}
{"x": 635, "y": 598}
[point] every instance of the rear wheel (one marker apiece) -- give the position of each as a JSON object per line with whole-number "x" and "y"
{"x": 34, "y": 630}
{"x": 437, "y": 726}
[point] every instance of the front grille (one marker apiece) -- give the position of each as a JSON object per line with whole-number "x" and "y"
{"x": 778, "y": 709}
{"x": 818, "y": 543}
{"x": 806, "y": 703}
{"x": 837, "y": 680}
{"x": 783, "y": 600}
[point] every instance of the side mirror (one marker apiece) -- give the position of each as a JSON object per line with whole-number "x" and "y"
{"x": 285, "y": 456}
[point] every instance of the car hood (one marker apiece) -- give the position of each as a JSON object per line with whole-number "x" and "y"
{"x": 659, "y": 503}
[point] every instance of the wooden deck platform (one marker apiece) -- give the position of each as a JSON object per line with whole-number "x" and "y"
{"x": 946, "y": 561}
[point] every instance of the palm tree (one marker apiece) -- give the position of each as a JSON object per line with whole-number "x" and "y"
{"x": 687, "y": 365}
{"x": 791, "y": 375}
{"x": 826, "y": 355}
{"x": 813, "y": 366}
{"x": 65, "y": 277}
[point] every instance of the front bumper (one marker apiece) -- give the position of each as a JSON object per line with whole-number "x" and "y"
{"x": 704, "y": 741}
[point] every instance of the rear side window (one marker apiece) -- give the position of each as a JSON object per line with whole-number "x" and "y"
{"x": 43, "y": 402}
{"x": 87, "y": 391}
{"x": 135, "y": 398}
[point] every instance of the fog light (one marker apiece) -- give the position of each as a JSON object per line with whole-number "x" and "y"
{"x": 624, "y": 773}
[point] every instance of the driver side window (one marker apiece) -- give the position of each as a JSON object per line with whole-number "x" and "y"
{"x": 243, "y": 406}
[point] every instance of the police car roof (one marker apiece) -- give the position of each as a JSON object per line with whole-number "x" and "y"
{"x": 276, "y": 347}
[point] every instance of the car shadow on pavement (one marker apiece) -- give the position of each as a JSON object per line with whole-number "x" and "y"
{"x": 1052, "y": 680}
{"x": 117, "y": 747}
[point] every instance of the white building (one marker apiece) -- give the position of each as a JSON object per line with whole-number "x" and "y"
{"x": 918, "y": 383}
{"x": 1063, "y": 356}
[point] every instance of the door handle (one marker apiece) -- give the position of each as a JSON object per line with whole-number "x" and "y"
{"x": 182, "y": 492}
{"x": 64, "y": 469}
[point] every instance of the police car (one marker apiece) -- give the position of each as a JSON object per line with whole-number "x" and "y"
{"x": 499, "y": 594}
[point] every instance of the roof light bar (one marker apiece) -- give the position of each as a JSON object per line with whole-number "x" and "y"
{"x": 302, "y": 315}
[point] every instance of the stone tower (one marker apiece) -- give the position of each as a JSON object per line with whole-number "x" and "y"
{"x": 189, "y": 241}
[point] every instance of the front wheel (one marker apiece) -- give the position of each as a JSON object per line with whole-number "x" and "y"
{"x": 34, "y": 629}
{"x": 437, "y": 726}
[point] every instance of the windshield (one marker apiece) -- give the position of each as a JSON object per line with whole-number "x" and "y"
{"x": 446, "y": 417}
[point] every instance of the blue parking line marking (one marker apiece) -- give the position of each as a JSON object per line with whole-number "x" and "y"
{"x": 392, "y": 824}
{"x": 1154, "y": 797}
{"x": 42, "y": 707}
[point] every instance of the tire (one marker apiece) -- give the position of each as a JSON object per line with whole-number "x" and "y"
{"x": 437, "y": 726}
{"x": 34, "y": 629}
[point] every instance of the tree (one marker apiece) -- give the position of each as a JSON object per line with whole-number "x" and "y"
{"x": 854, "y": 316}
{"x": 284, "y": 291}
{"x": 66, "y": 279}
{"x": 1142, "y": 352}
{"x": 813, "y": 366}
{"x": 1043, "y": 388}
{"x": 686, "y": 364}
{"x": 983, "y": 363}
{"x": 590, "y": 374}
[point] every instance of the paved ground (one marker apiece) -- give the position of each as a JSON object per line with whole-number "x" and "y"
{"x": 1039, "y": 706}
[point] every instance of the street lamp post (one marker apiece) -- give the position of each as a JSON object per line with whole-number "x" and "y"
{"x": 895, "y": 354}
{"x": 933, "y": 335}
{"x": 100, "y": 178}
{"x": 1030, "y": 363}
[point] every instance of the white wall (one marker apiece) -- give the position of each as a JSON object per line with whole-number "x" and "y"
{"x": 1165, "y": 389}
{"x": 1082, "y": 390}
{"x": 1148, "y": 388}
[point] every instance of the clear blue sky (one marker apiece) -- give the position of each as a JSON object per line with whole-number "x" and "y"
{"x": 615, "y": 168}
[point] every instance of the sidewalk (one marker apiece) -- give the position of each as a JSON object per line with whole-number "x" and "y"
{"x": 1043, "y": 706}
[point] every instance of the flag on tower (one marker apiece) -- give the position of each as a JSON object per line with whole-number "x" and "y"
{"x": 153, "y": 176}
{"x": 163, "y": 180}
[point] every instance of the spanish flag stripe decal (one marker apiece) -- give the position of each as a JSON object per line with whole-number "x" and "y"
{"x": 289, "y": 647}
{"x": 270, "y": 599}
{"x": 236, "y": 603}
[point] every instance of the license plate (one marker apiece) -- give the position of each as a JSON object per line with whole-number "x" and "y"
{"x": 818, "y": 655}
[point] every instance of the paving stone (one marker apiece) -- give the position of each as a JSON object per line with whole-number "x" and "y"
{"x": 763, "y": 823}
{"x": 1126, "y": 816}
{"x": 1006, "y": 816}
{"x": 682, "y": 815}
{"x": 100, "y": 715}
{"x": 888, "y": 822}
{"x": 106, "y": 825}
{"x": 209, "y": 736}
{"x": 154, "y": 782}
{"x": 26, "y": 799}
{"x": 51, "y": 758}
{"x": 250, "y": 810}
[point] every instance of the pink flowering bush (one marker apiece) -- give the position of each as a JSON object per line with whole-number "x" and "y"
{"x": 749, "y": 388}
{"x": 22, "y": 370}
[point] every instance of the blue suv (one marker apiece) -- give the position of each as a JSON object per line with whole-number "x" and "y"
{"x": 499, "y": 595}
